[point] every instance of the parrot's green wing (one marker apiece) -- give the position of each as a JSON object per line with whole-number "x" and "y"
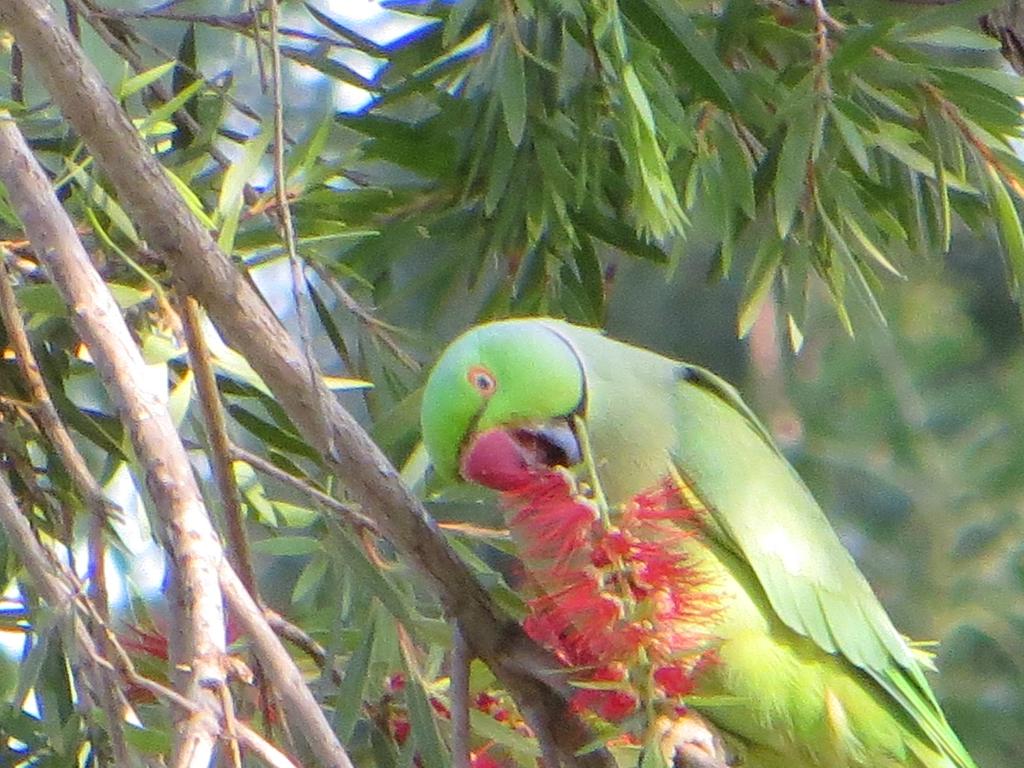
{"x": 764, "y": 513}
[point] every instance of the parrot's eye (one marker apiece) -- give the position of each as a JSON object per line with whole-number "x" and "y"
{"x": 483, "y": 380}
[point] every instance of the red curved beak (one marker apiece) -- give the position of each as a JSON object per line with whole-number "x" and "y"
{"x": 497, "y": 460}
{"x": 508, "y": 458}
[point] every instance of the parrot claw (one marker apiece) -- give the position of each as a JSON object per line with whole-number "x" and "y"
{"x": 687, "y": 740}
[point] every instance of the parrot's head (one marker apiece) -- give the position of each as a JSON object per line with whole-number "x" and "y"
{"x": 500, "y": 403}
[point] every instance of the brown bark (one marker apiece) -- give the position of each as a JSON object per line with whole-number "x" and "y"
{"x": 245, "y": 322}
{"x": 192, "y": 543}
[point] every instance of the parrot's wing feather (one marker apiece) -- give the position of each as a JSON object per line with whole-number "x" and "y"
{"x": 761, "y": 510}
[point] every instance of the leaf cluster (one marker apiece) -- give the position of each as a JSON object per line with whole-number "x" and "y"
{"x": 837, "y": 146}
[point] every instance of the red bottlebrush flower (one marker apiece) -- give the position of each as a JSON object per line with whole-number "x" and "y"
{"x": 439, "y": 707}
{"x": 396, "y": 682}
{"x": 581, "y": 607}
{"x": 149, "y": 642}
{"x": 557, "y": 522}
{"x": 612, "y": 600}
{"x": 612, "y": 706}
{"x": 482, "y": 758}
{"x": 664, "y": 503}
{"x": 400, "y": 729}
{"x": 485, "y": 702}
{"x": 673, "y": 681}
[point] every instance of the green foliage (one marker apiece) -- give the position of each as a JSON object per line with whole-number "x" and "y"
{"x": 586, "y": 158}
{"x": 837, "y": 148}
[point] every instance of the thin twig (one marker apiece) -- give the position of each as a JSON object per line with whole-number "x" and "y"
{"x": 222, "y": 91}
{"x": 345, "y": 511}
{"x": 135, "y": 61}
{"x": 17, "y": 76}
{"x": 193, "y": 544}
{"x": 377, "y": 327}
{"x": 301, "y": 639}
{"x": 822, "y": 20}
{"x": 120, "y": 663}
{"x": 220, "y": 460}
{"x": 286, "y": 677}
{"x": 284, "y": 211}
{"x": 42, "y": 405}
{"x": 458, "y": 695}
{"x": 14, "y": 447}
{"x": 220, "y": 445}
{"x": 950, "y": 110}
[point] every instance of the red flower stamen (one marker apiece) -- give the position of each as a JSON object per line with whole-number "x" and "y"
{"x": 612, "y": 600}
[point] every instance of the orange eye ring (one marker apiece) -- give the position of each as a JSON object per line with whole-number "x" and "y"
{"x": 482, "y": 380}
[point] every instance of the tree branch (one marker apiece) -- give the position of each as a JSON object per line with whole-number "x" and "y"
{"x": 288, "y": 680}
{"x": 53, "y": 584}
{"x": 74, "y": 462}
{"x": 194, "y": 548}
{"x": 247, "y": 324}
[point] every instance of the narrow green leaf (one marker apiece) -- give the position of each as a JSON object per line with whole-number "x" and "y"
{"x": 869, "y": 246}
{"x": 186, "y": 72}
{"x": 353, "y": 685}
{"x": 164, "y": 111}
{"x": 796, "y": 336}
{"x": 329, "y": 325}
{"x": 1006, "y": 83}
{"x": 317, "y": 59}
{"x": 98, "y": 196}
{"x": 1008, "y": 224}
{"x": 958, "y": 38}
{"x": 961, "y": 14}
{"x": 195, "y": 205}
{"x": 105, "y": 432}
{"x": 833, "y": 275}
{"x": 499, "y": 173}
{"x": 738, "y": 171}
{"x": 892, "y": 139}
{"x": 858, "y": 44}
{"x": 760, "y": 278}
{"x": 852, "y": 139}
{"x": 486, "y": 727}
{"x": 429, "y": 746}
{"x": 305, "y": 158}
{"x": 863, "y": 281}
{"x": 591, "y": 276}
{"x": 137, "y": 82}
{"x": 791, "y": 173}
{"x": 287, "y": 546}
{"x": 936, "y": 127}
{"x": 152, "y": 741}
{"x": 614, "y": 232}
{"x": 230, "y": 200}
{"x": 638, "y": 96}
{"x": 43, "y": 299}
{"x": 668, "y": 26}
{"x": 512, "y": 91}
{"x": 855, "y": 112}
{"x": 311, "y": 577}
{"x": 270, "y": 434}
{"x": 53, "y": 690}
{"x": 351, "y": 557}
{"x": 735, "y": 24}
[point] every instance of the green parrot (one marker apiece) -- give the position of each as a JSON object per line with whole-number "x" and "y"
{"x": 813, "y": 670}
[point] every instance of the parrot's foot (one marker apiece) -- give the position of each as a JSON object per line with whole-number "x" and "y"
{"x": 687, "y": 740}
